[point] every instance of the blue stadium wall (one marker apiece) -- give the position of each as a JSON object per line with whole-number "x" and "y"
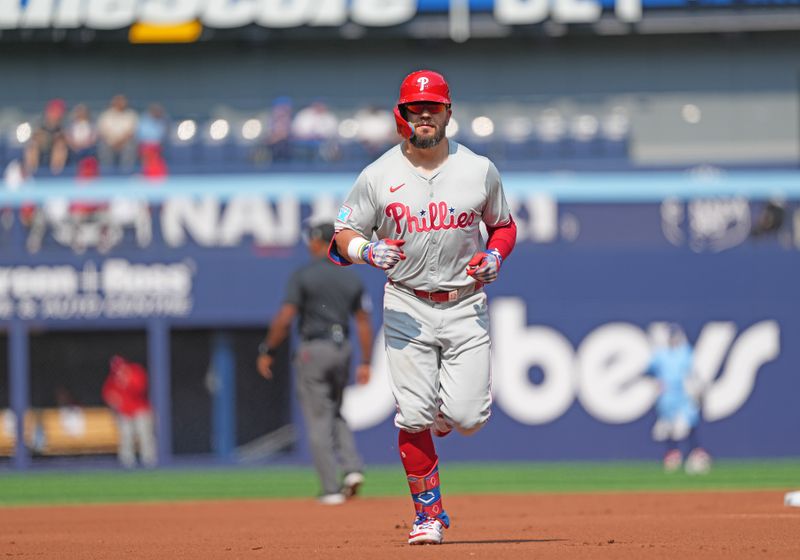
{"x": 603, "y": 261}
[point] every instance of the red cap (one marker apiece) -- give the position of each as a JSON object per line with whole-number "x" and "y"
{"x": 56, "y": 105}
{"x": 424, "y": 85}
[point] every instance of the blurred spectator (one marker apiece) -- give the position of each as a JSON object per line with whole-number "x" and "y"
{"x": 280, "y": 129}
{"x": 771, "y": 218}
{"x": 81, "y": 135}
{"x": 125, "y": 392}
{"x": 70, "y": 412}
{"x": 153, "y": 164}
{"x": 152, "y": 128}
{"x": 315, "y": 128}
{"x": 678, "y": 407}
{"x": 376, "y": 129}
{"x": 116, "y": 129}
{"x": 48, "y": 142}
{"x": 151, "y": 133}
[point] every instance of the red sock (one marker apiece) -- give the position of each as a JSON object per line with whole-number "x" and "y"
{"x": 417, "y": 452}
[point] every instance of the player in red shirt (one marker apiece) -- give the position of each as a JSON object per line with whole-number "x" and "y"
{"x": 125, "y": 392}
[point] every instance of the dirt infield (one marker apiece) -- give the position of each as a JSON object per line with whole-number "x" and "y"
{"x": 674, "y": 526}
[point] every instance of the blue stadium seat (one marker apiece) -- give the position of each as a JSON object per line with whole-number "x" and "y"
{"x": 553, "y": 150}
{"x": 586, "y": 149}
{"x": 521, "y": 151}
{"x": 615, "y": 148}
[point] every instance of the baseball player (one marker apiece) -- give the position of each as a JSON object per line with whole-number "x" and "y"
{"x": 424, "y": 200}
{"x": 125, "y": 392}
{"x": 678, "y": 409}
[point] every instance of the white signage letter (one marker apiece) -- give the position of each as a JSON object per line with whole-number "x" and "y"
{"x": 628, "y": 10}
{"x": 110, "y": 14}
{"x": 284, "y": 13}
{"x": 329, "y": 13}
{"x": 756, "y": 346}
{"x": 576, "y": 11}
{"x": 168, "y": 11}
{"x": 199, "y": 218}
{"x": 610, "y": 360}
{"x": 9, "y": 14}
{"x": 542, "y": 218}
{"x": 520, "y": 12}
{"x": 379, "y": 13}
{"x": 37, "y": 14}
{"x": 68, "y": 14}
{"x": 229, "y": 13}
{"x": 517, "y": 349}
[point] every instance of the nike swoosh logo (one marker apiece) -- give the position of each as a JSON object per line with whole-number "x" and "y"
{"x": 400, "y": 186}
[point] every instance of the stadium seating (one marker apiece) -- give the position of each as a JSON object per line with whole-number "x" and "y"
{"x": 230, "y": 141}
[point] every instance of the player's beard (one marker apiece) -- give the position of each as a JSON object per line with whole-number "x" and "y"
{"x": 428, "y": 142}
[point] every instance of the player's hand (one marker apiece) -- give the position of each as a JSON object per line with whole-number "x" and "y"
{"x": 484, "y": 266}
{"x": 264, "y": 365}
{"x": 363, "y": 373}
{"x": 384, "y": 254}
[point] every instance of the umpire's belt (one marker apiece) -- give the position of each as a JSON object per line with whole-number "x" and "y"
{"x": 441, "y": 297}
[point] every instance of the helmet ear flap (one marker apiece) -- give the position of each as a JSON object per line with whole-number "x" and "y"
{"x": 404, "y": 128}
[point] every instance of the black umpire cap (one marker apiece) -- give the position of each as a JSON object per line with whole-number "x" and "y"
{"x": 321, "y": 230}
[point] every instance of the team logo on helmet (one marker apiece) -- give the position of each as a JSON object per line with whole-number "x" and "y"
{"x": 423, "y": 81}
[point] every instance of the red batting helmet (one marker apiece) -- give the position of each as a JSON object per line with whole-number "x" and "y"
{"x": 424, "y": 85}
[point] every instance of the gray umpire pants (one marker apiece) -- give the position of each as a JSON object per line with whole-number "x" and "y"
{"x": 322, "y": 369}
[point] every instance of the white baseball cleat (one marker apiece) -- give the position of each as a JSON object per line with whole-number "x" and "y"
{"x": 332, "y": 499}
{"x": 698, "y": 462}
{"x": 673, "y": 461}
{"x": 352, "y": 482}
{"x": 426, "y": 530}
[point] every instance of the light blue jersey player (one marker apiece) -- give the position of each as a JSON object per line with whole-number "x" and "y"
{"x": 678, "y": 407}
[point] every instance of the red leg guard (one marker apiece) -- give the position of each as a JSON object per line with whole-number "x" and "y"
{"x": 417, "y": 452}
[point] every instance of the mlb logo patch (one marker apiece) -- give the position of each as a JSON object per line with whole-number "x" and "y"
{"x": 344, "y": 213}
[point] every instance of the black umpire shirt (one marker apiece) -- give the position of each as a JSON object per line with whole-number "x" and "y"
{"x": 326, "y": 295}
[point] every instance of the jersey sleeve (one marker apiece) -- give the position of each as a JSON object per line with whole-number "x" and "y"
{"x": 496, "y": 212}
{"x": 358, "y": 212}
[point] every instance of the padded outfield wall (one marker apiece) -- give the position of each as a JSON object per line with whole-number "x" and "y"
{"x": 603, "y": 261}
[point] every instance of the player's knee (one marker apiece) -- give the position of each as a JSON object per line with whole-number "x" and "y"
{"x": 471, "y": 424}
{"x": 468, "y": 418}
{"x": 469, "y": 430}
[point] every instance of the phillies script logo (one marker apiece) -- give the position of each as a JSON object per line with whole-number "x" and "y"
{"x": 437, "y": 216}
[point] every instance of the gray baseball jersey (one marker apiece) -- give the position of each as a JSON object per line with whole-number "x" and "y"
{"x": 438, "y": 216}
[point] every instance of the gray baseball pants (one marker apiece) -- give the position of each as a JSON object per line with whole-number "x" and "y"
{"x": 323, "y": 370}
{"x": 439, "y": 359}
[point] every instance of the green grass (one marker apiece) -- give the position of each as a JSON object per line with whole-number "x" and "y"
{"x": 457, "y": 478}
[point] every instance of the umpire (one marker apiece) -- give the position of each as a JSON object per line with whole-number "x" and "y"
{"x": 324, "y": 296}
